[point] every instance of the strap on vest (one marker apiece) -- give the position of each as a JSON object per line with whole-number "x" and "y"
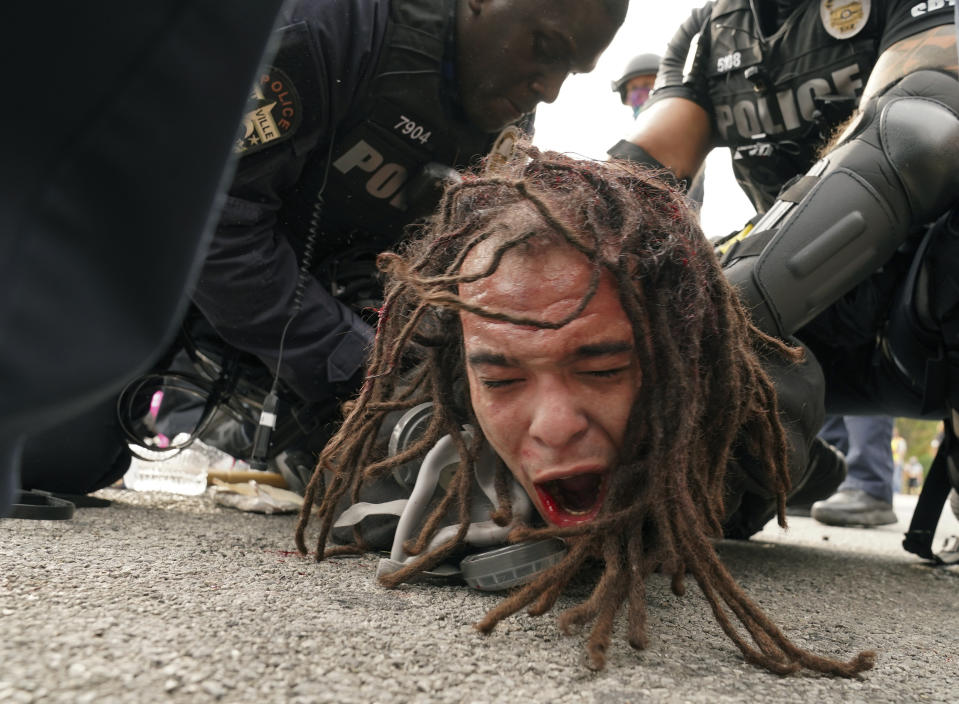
{"x": 797, "y": 189}
{"x": 752, "y": 245}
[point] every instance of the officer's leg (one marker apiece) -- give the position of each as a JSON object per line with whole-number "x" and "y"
{"x": 865, "y": 496}
{"x": 907, "y": 370}
{"x": 869, "y": 459}
{"x": 834, "y": 432}
{"x": 78, "y": 456}
{"x": 103, "y": 212}
{"x": 846, "y": 218}
{"x": 848, "y": 215}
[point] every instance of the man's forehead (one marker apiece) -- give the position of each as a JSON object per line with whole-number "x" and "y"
{"x": 511, "y": 335}
{"x": 503, "y": 224}
{"x": 591, "y": 29}
{"x": 571, "y": 21}
{"x": 546, "y": 282}
{"x": 540, "y": 259}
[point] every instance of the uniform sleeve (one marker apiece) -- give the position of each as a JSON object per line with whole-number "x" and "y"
{"x": 903, "y": 18}
{"x": 669, "y": 80}
{"x": 248, "y": 282}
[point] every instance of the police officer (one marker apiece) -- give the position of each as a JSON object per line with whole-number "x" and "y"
{"x": 636, "y": 83}
{"x": 367, "y": 106}
{"x": 353, "y": 127}
{"x": 773, "y": 81}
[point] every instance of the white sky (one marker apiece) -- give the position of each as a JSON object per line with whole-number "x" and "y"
{"x": 587, "y": 117}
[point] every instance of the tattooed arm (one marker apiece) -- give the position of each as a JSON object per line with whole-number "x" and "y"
{"x": 934, "y": 49}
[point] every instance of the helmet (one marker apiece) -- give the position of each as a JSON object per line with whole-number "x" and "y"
{"x": 637, "y": 66}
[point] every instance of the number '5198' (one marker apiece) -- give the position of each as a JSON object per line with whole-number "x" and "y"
{"x": 412, "y": 130}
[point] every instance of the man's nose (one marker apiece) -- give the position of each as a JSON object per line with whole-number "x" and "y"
{"x": 557, "y": 419}
{"x": 546, "y": 85}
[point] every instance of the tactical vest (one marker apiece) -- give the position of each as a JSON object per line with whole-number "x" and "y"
{"x": 777, "y": 99}
{"x": 406, "y": 119}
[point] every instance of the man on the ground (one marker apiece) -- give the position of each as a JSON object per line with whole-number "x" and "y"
{"x": 590, "y": 375}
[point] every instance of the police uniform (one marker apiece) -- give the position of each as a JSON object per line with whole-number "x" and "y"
{"x": 351, "y": 127}
{"x": 775, "y": 98}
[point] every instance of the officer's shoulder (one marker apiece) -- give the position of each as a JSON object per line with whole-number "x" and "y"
{"x": 284, "y": 95}
{"x": 319, "y": 49}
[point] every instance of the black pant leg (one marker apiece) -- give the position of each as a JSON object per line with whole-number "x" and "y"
{"x": 77, "y": 456}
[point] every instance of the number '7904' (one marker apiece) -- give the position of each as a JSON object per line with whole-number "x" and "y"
{"x": 412, "y": 130}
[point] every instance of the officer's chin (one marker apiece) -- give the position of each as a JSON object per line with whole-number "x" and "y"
{"x": 493, "y": 116}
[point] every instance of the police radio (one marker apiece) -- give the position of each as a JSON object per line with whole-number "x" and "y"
{"x": 267, "y": 421}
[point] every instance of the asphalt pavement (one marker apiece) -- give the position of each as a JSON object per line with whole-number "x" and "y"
{"x": 160, "y": 598}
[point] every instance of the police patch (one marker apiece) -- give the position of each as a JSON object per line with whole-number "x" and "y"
{"x": 843, "y": 19}
{"x": 273, "y": 113}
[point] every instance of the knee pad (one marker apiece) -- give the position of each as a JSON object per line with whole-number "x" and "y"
{"x": 895, "y": 169}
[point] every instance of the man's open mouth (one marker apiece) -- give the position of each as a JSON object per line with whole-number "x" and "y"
{"x": 573, "y": 499}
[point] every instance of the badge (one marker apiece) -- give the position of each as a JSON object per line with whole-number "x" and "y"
{"x": 502, "y": 150}
{"x": 273, "y": 113}
{"x": 843, "y": 19}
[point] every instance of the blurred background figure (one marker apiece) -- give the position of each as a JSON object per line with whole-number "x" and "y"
{"x": 634, "y": 87}
{"x": 637, "y": 81}
{"x": 900, "y": 446}
{"x": 912, "y": 472}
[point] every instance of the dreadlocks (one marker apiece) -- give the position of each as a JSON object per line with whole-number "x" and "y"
{"x": 703, "y": 393}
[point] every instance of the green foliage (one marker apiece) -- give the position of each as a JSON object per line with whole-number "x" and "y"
{"x": 919, "y": 435}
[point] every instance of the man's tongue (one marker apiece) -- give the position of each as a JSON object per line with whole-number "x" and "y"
{"x": 575, "y": 494}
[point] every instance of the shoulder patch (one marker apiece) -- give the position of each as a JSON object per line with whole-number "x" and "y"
{"x": 843, "y": 19}
{"x": 273, "y": 112}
